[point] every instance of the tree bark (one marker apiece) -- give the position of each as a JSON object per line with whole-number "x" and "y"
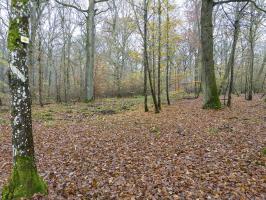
{"x": 251, "y": 39}
{"x": 40, "y": 80}
{"x": 232, "y": 59}
{"x": 146, "y": 109}
{"x": 210, "y": 94}
{"x": 24, "y": 181}
{"x": 33, "y": 34}
{"x": 260, "y": 74}
{"x": 146, "y": 59}
{"x": 90, "y": 46}
{"x": 167, "y": 52}
{"x": 159, "y": 52}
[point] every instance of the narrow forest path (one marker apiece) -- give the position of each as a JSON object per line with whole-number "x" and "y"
{"x": 182, "y": 153}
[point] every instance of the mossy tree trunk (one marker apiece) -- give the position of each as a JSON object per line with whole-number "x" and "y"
{"x": 24, "y": 181}
{"x": 210, "y": 94}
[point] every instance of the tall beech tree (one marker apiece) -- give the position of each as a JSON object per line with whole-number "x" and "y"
{"x": 90, "y": 14}
{"x": 24, "y": 181}
{"x": 210, "y": 93}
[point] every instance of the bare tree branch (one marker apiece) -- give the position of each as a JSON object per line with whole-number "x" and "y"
{"x": 71, "y": 6}
{"x": 230, "y": 1}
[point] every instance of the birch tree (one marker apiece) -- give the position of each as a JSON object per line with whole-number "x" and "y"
{"x": 24, "y": 181}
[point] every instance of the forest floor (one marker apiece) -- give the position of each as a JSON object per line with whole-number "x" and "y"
{"x": 109, "y": 150}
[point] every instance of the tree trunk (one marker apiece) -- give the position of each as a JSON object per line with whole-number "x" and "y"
{"x": 145, "y": 87}
{"x": 89, "y": 79}
{"x": 232, "y": 60}
{"x": 49, "y": 84}
{"x": 251, "y": 66}
{"x": 260, "y": 73}
{"x": 33, "y": 34}
{"x": 210, "y": 94}
{"x": 159, "y": 52}
{"x": 167, "y": 53}
{"x": 40, "y": 74}
{"x": 251, "y": 57}
{"x": 68, "y": 66}
{"x": 146, "y": 59}
{"x": 24, "y": 181}
{"x": 154, "y": 48}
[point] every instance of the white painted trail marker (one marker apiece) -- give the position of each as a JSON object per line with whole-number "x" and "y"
{"x": 25, "y": 40}
{"x": 18, "y": 73}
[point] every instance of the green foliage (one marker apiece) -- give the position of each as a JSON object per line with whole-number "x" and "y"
{"x": 24, "y": 181}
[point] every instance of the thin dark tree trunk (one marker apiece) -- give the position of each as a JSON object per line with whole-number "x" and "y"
{"x": 49, "y": 84}
{"x": 251, "y": 64}
{"x": 146, "y": 59}
{"x": 167, "y": 53}
{"x": 40, "y": 81}
{"x": 159, "y": 53}
{"x": 154, "y": 47}
{"x": 145, "y": 88}
{"x": 232, "y": 56}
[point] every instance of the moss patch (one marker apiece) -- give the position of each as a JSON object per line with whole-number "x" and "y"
{"x": 43, "y": 116}
{"x": 24, "y": 181}
{"x": 13, "y": 35}
{"x": 3, "y": 121}
{"x": 13, "y": 41}
{"x": 263, "y": 151}
{"x": 213, "y": 130}
{"x": 214, "y": 103}
{"x": 22, "y": 2}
